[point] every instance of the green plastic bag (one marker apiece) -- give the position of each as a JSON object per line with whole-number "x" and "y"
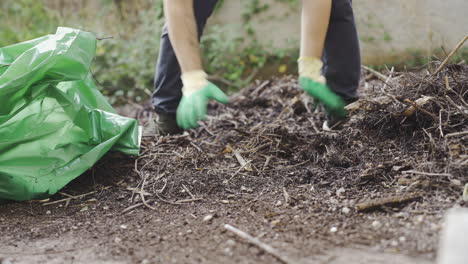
{"x": 54, "y": 123}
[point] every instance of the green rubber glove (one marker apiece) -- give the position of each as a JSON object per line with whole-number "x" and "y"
{"x": 311, "y": 81}
{"x": 196, "y": 93}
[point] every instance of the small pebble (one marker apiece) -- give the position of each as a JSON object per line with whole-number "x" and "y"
{"x": 48, "y": 212}
{"x": 279, "y": 203}
{"x": 340, "y": 192}
{"x": 346, "y": 210}
{"x": 376, "y": 224}
{"x": 436, "y": 227}
{"x": 230, "y": 242}
{"x": 117, "y": 240}
{"x": 123, "y": 226}
{"x": 228, "y": 251}
{"x": 420, "y": 219}
{"x": 394, "y": 243}
{"x": 208, "y": 218}
{"x": 275, "y": 222}
{"x": 334, "y": 229}
{"x": 402, "y": 239}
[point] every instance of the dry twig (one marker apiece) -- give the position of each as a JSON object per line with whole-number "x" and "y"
{"x": 70, "y": 198}
{"x": 130, "y": 208}
{"x": 463, "y": 133}
{"x": 255, "y": 241}
{"x": 426, "y": 173}
{"x": 376, "y": 203}
{"x": 449, "y": 57}
{"x": 375, "y": 73}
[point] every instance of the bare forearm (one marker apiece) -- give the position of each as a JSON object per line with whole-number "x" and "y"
{"x": 314, "y": 27}
{"x": 183, "y": 33}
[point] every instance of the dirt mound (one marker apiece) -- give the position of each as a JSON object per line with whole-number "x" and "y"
{"x": 406, "y": 138}
{"x": 412, "y": 129}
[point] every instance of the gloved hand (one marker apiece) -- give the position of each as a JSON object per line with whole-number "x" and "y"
{"x": 197, "y": 91}
{"x": 312, "y": 81}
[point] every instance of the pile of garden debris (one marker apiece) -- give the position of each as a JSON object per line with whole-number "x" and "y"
{"x": 403, "y": 153}
{"x": 406, "y": 137}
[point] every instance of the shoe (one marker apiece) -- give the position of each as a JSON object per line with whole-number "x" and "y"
{"x": 162, "y": 124}
{"x": 333, "y": 122}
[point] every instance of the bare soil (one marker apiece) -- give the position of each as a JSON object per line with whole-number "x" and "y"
{"x": 263, "y": 165}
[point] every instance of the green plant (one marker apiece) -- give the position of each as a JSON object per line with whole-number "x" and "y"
{"x": 125, "y": 63}
{"x": 233, "y": 54}
{"x": 24, "y": 20}
{"x": 125, "y": 66}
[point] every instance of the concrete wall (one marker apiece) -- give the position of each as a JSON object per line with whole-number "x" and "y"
{"x": 387, "y": 28}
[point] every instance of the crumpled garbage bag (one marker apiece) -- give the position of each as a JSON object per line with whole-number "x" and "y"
{"x": 54, "y": 123}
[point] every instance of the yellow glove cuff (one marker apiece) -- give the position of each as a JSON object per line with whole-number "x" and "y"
{"x": 311, "y": 67}
{"x": 193, "y": 81}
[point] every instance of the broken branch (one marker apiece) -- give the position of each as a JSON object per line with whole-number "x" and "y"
{"x": 255, "y": 241}
{"x": 376, "y": 203}
{"x": 449, "y": 57}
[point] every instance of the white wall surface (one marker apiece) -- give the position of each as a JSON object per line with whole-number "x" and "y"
{"x": 387, "y": 28}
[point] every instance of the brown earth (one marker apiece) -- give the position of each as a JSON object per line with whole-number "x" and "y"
{"x": 262, "y": 165}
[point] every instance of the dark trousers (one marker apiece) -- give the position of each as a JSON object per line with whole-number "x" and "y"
{"x": 341, "y": 57}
